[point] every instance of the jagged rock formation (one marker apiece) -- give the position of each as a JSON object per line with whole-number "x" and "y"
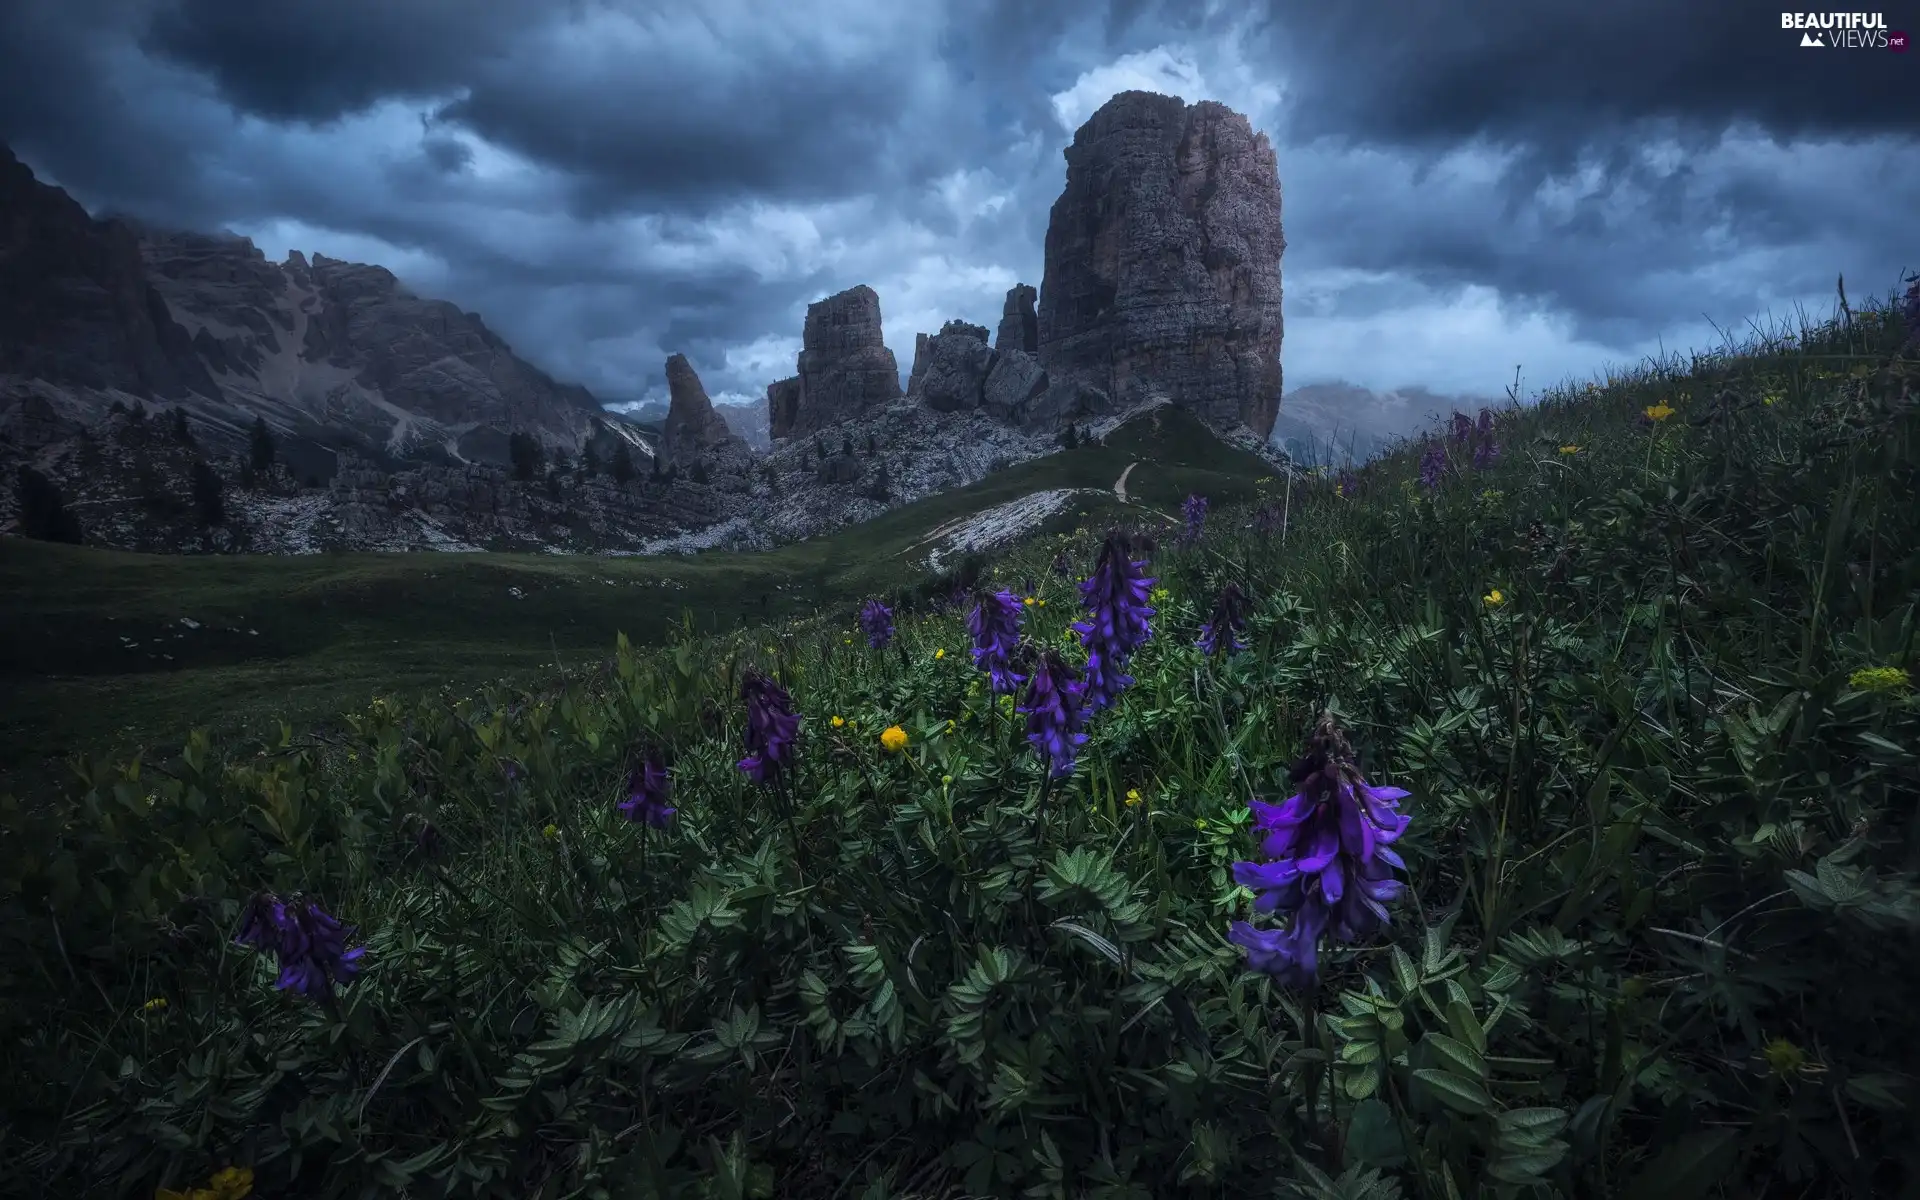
{"x": 346, "y": 347}
{"x": 1162, "y": 274}
{"x": 694, "y": 432}
{"x": 75, "y": 304}
{"x": 1019, "y": 322}
{"x": 845, "y": 369}
{"x": 950, "y": 367}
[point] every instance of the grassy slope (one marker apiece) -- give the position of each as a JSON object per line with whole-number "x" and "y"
{"x": 335, "y": 629}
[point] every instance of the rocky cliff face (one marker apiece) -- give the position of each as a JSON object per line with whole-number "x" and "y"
{"x": 75, "y": 304}
{"x": 1162, "y": 275}
{"x": 845, "y": 370}
{"x": 694, "y": 433}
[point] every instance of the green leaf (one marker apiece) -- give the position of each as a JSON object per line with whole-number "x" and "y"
{"x": 1689, "y": 1168}
{"x": 1456, "y": 1056}
{"x": 1461, "y": 1095}
{"x": 1373, "y": 1137}
{"x": 1403, "y": 971}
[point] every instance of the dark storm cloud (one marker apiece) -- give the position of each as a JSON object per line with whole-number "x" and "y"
{"x": 611, "y": 180}
{"x": 1559, "y": 74}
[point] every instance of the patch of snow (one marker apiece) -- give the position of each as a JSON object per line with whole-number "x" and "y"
{"x": 1000, "y": 524}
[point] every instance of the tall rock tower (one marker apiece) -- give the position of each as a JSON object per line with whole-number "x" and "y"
{"x": 1162, "y": 275}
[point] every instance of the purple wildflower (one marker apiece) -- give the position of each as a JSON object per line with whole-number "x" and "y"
{"x": 876, "y": 621}
{"x": 1195, "y": 512}
{"x": 772, "y": 729}
{"x": 1330, "y": 852}
{"x": 1911, "y": 308}
{"x": 1116, "y": 626}
{"x": 1433, "y": 464}
{"x": 648, "y": 788}
{"x": 1462, "y": 427}
{"x": 310, "y": 944}
{"x": 1222, "y": 631}
{"x": 1347, "y": 485}
{"x": 995, "y": 626}
{"x": 1485, "y": 453}
{"x": 1483, "y": 428}
{"x": 1055, "y": 711}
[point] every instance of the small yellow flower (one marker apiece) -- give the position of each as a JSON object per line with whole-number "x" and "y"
{"x": 1199, "y": 822}
{"x": 1770, "y": 399}
{"x": 1159, "y": 595}
{"x": 946, "y": 781}
{"x": 838, "y": 721}
{"x": 1028, "y": 602}
{"x": 353, "y": 756}
{"x": 1495, "y": 598}
{"x": 1785, "y": 1058}
{"x": 155, "y": 1004}
{"x": 949, "y": 726}
{"x": 1878, "y": 679}
{"x": 233, "y": 1183}
{"x": 551, "y": 831}
{"x": 1658, "y": 412}
{"x": 846, "y": 641}
{"x": 939, "y": 654}
{"x": 1042, "y": 603}
{"x": 894, "y": 738}
{"x": 768, "y": 649}
{"x": 1133, "y": 797}
{"x": 1569, "y": 449}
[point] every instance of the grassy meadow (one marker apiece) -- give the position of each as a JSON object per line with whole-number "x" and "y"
{"x": 94, "y": 656}
{"x": 1642, "y": 655}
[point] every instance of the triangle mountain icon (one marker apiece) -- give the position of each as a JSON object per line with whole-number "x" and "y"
{"x": 1811, "y": 39}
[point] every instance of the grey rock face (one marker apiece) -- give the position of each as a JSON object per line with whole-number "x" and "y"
{"x": 1162, "y": 274}
{"x": 1015, "y": 380}
{"x": 951, "y": 368}
{"x": 76, "y": 306}
{"x": 694, "y": 432}
{"x": 845, "y": 369}
{"x": 1019, "y": 322}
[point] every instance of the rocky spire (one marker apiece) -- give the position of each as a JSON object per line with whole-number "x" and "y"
{"x": 845, "y": 368}
{"x": 1162, "y": 275}
{"x": 1019, "y": 325}
{"x": 693, "y": 431}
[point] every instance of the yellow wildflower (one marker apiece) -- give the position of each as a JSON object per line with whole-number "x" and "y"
{"x": 155, "y": 1004}
{"x": 1159, "y": 595}
{"x": 1042, "y": 603}
{"x": 1785, "y": 1058}
{"x": 1658, "y": 412}
{"x": 1199, "y": 822}
{"x": 1569, "y": 449}
{"x": 1133, "y": 797}
{"x": 838, "y": 721}
{"x": 1878, "y": 679}
{"x": 232, "y": 1183}
{"x": 894, "y": 738}
{"x": 949, "y": 725}
{"x": 1495, "y": 598}
{"x": 551, "y": 831}
{"x": 846, "y": 641}
{"x": 941, "y": 653}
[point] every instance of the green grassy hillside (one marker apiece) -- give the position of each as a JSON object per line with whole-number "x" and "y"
{"x": 93, "y": 655}
{"x": 1635, "y": 665}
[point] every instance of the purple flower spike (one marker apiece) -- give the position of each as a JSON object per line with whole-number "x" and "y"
{"x": 772, "y": 729}
{"x": 995, "y": 626}
{"x": 1911, "y": 308}
{"x": 1348, "y": 485}
{"x": 1485, "y": 453}
{"x": 1117, "y": 622}
{"x": 1195, "y": 512}
{"x": 310, "y": 944}
{"x": 1330, "y": 860}
{"x": 1462, "y": 427}
{"x": 1433, "y": 464}
{"x": 648, "y": 789}
{"x": 1055, "y": 711}
{"x": 1222, "y": 631}
{"x": 876, "y": 621}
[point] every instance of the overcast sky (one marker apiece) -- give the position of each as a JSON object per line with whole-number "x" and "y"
{"x": 1559, "y": 184}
